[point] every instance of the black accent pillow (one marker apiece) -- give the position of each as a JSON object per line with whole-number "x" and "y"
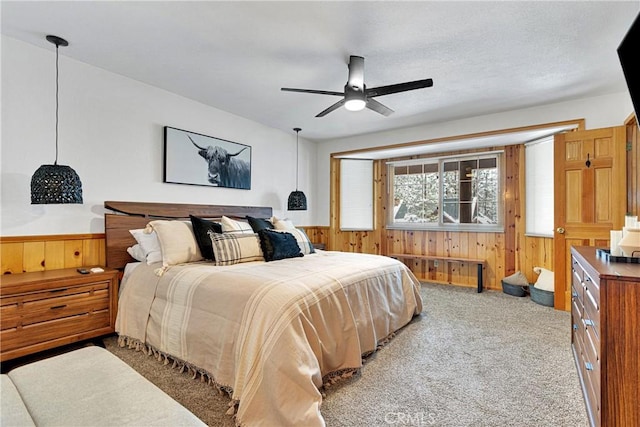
{"x": 258, "y": 224}
{"x": 201, "y": 229}
{"x": 277, "y": 245}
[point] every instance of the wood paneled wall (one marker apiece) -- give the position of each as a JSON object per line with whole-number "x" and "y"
{"x": 505, "y": 253}
{"x": 633, "y": 162}
{"x": 22, "y": 254}
{"x": 317, "y": 234}
{"x": 38, "y": 253}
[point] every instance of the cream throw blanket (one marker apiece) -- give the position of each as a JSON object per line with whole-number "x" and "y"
{"x": 270, "y": 333}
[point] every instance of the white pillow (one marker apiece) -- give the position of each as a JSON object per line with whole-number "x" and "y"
{"x": 237, "y": 227}
{"x": 306, "y": 247}
{"x": 545, "y": 279}
{"x": 149, "y": 244}
{"x": 177, "y": 241}
{"x": 233, "y": 248}
{"x": 137, "y": 253}
{"x": 282, "y": 224}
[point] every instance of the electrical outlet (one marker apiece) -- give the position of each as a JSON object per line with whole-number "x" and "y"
{"x": 435, "y": 263}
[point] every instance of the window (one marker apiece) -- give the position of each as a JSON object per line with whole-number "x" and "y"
{"x": 458, "y": 193}
{"x": 356, "y": 194}
{"x": 538, "y": 164}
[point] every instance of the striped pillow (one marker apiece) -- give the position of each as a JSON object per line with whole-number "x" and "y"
{"x": 306, "y": 247}
{"x": 232, "y": 248}
{"x": 236, "y": 227}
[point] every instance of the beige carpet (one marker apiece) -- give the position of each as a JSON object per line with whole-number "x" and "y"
{"x": 471, "y": 359}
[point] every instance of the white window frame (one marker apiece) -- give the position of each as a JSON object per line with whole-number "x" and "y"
{"x": 440, "y": 225}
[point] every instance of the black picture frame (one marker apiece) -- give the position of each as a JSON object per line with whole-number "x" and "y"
{"x": 195, "y": 159}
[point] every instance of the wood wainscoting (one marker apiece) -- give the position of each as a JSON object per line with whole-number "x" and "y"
{"x": 504, "y": 253}
{"x": 317, "y": 234}
{"x": 21, "y": 254}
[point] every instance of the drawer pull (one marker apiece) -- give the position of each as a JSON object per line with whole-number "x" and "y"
{"x": 588, "y": 366}
{"x": 56, "y": 307}
{"x": 575, "y": 327}
{"x": 58, "y": 290}
{"x": 574, "y": 294}
{"x": 589, "y": 322}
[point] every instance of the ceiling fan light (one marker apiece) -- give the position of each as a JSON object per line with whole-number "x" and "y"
{"x": 355, "y": 104}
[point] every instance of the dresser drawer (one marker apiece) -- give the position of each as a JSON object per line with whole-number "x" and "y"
{"x": 592, "y": 285}
{"x": 591, "y": 314}
{"x": 23, "y": 310}
{"x": 576, "y": 301}
{"x": 578, "y": 271}
{"x": 606, "y": 344}
{"x": 577, "y": 338}
{"x": 591, "y": 368}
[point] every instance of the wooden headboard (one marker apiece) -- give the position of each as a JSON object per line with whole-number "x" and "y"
{"x": 133, "y": 215}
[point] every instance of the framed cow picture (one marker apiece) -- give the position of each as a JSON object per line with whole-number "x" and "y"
{"x": 196, "y": 159}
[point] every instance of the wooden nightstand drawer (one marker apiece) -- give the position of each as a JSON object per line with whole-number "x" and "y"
{"x": 28, "y": 309}
{"x": 42, "y": 310}
{"x": 91, "y": 324}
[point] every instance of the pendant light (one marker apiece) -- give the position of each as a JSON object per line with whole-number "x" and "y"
{"x": 297, "y": 199}
{"x": 56, "y": 183}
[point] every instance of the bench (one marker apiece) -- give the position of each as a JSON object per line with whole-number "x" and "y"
{"x": 89, "y": 386}
{"x": 479, "y": 262}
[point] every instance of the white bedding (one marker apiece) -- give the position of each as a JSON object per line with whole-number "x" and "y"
{"x": 270, "y": 333}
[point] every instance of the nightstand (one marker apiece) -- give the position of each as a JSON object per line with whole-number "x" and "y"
{"x": 46, "y": 309}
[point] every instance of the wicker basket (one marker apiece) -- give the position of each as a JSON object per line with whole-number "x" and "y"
{"x": 541, "y": 296}
{"x": 515, "y": 290}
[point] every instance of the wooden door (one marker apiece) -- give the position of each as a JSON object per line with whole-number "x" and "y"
{"x": 589, "y": 196}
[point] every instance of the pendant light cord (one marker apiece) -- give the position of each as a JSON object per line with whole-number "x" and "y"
{"x": 56, "y": 162}
{"x": 297, "y": 148}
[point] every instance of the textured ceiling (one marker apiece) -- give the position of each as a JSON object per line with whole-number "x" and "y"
{"x": 484, "y": 57}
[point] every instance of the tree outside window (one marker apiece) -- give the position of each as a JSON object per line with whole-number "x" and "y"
{"x": 438, "y": 191}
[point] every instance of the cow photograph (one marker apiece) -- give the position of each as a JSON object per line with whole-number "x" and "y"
{"x": 196, "y": 159}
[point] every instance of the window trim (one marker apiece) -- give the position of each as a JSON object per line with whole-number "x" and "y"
{"x": 442, "y": 226}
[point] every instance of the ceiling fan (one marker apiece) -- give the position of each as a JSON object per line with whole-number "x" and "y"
{"x": 357, "y": 96}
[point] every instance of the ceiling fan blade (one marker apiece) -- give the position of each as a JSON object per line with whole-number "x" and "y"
{"x": 356, "y": 72}
{"x": 374, "y": 105}
{"x": 320, "y": 92}
{"x": 331, "y": 108}
{"x": 399, "y": 87}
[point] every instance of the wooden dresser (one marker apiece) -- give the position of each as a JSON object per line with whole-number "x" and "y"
{"x": 46, "y": 309}
{"x": 605, "y": 317}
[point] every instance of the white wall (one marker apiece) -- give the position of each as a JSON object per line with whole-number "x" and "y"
{"x": 598, "y": 112}
{"x": 111, "y": 133}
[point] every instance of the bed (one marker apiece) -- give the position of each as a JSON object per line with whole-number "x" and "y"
{"x": 271, "y": 334}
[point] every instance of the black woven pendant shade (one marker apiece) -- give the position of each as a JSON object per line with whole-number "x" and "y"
{"x": 56, "y": 183}
{"x": 297, "y": 200}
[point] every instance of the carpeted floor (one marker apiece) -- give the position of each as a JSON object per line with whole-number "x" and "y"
{"x": 471, "y": 359}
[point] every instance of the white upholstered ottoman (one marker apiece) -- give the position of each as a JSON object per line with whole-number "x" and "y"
{"x": 86, "y": 387}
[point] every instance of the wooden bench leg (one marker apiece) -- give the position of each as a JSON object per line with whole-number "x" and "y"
{"x": 479, "y": 277}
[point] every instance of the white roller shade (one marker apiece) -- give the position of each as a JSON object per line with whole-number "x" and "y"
{"x": 356, "y": 194}
{"x": 539, "y": 187}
